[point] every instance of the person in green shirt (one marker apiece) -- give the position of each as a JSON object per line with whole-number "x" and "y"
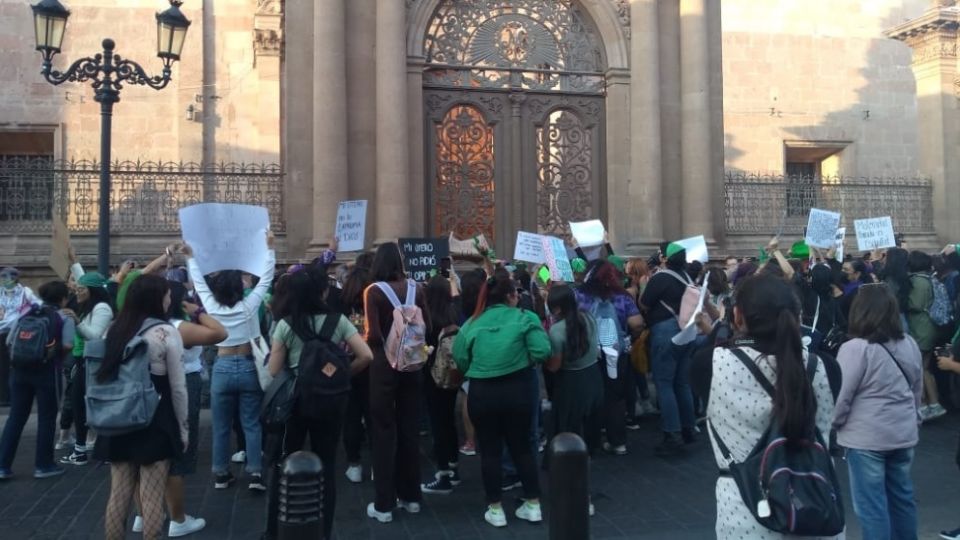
{"x": 321, "y": 415}
{"x": 496, "y": 349}
{"x": 578, "y": 390}
{"x": 922, "y": 328}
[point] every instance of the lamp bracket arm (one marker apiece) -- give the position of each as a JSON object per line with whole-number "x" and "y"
{"x": 84, "y": 69}
{"x": 132, "y": 73}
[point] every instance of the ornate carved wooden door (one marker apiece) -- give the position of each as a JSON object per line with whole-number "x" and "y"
{"x": 513, "y": 101}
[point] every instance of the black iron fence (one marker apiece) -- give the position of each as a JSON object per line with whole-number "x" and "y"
{"x": 765, "y": 204}
{"x": 145, "y": 196}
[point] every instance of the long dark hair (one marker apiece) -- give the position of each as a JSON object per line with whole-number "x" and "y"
{"x": 440, "y": 305}
{"x": 227, "y": 287}
{"x": 144, "y": 301}
{"x": 771, "y": 312}
{"x": 470, "y": 285}
{"x": 496, "y": 290}
{"x": 305, "y": 290}
{"x": 562, "y": 299}
{"x": 280, "y": 300}
{"x": 896, "y": 273}
{"x": 357, "y": 281}
{"x": 98, "y": 295}
{"x": 387, "y": 263}
{"x": 177, "y": 294}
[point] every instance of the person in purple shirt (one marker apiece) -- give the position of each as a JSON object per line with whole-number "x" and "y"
{"x": 602, "y": 282}
{"x": 877, "y": 415}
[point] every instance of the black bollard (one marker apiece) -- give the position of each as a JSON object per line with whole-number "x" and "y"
{"x": 301, "y": 498}
{"x": 569, "y": 498}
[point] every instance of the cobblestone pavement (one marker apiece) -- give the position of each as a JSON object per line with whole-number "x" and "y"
{"x": 637, "y": 497}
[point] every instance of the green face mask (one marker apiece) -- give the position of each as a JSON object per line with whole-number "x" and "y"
{"x": 8, "y": 283}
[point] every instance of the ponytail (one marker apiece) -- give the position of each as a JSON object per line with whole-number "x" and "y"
{"x": 794, "y": 405}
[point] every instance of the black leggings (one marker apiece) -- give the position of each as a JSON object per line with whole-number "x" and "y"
{"x": 79, "y": 383}
{"x": 443, "y": 424}
{"x": 358, "y": 416}
{"x": 500, "y": 409}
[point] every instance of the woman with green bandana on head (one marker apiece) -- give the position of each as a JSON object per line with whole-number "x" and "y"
{"x": 15, "y": 300}
{"x": 94, "y": 314}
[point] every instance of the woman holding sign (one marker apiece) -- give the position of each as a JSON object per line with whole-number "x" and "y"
{"x": 234, "y": 383}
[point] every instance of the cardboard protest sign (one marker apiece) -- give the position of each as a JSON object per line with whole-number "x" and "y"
{"x": 421, "y": 255}
{"x": 351, "y": 225}
{"x": 838, "y": 244}
{"x": 468, "y": 247}
{"x": 822, "y": 228}
{"x": 60, "y": 248}
{"x": 875, "y": 233}
{"x": 529, "y": 248}
{"x": 588, "y": 233}
{"x": 226, "y": 236}
{"x": 696, "y": 248}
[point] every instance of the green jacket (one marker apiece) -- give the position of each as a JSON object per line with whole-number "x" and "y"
{"x": 922, "y": 328}
{"x": 501, "y": 341}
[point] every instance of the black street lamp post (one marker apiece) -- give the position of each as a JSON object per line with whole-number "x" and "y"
{"x": 108, "y": 72}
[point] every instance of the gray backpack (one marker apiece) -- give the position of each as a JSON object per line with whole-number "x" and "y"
{"x": 128, "y": 402}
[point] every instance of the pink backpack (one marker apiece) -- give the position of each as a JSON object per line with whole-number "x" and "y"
{"x": 688, "y": 304}
{"x": 406, "y": 344}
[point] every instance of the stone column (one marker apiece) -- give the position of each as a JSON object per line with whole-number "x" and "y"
{"x": 297, "y": 129}
{"x": 696, "y": 178}
{"x": 645, "y": 188}
{"x": 393, "y": 181}
{"x": 329, "y": 119}
{"x": 415, "y": 136}
{"x": 670, "y": 119}
{"x": 934, "y": 40}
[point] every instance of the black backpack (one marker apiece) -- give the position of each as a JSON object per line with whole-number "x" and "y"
{"x": 790, "y": 489}
{"x": 324, "y": 368}
{"x": 35, "y": 341}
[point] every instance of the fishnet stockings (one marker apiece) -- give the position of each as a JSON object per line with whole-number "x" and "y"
{"x": 123, "y": 481}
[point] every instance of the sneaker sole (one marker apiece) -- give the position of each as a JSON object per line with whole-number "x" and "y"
{"x": 178, "y": 535}
{"x": 436, "y": 491}
{"x": 223, "y": 485}
{"x": 497, "y": 525}
{"x": 260, "y": 488}
{"x": 379, "y": 519}
{"x": 41, "y": 476}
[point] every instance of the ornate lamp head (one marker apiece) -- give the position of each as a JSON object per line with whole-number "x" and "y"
{"x": 50, "y": 23}
{"x": 171, "y": 32}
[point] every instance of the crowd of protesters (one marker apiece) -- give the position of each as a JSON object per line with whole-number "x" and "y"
{"x": 860, "y": 351}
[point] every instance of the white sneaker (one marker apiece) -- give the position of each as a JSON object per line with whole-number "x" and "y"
{"x": 138, "y": 524}
{"x": 355, "y": 474}
{"x": 935, "y": 411}
{"x": 382, "y": 517}
{"x": 495, "y": 516}
{"x": 63, "y": 444}
{"x": 530, "y": 512}
{"x": 239, "y": 457}
{"x": 412, "y": 507}
{"x": 190, "y": 525}
{"x": 591, "y": 510}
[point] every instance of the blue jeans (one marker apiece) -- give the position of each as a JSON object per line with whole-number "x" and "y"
{"x": 25, "y": 385}
{"x": 235, "y": 386}
{"x": 670, "y": 365}
{"x": 882, "y": 493}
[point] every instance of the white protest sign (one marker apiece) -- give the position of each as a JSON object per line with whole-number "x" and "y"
{"x": 690, "y": 331}
{"x": 838, "y": 244}
{"x": 696, "y": 248}
{"x": 60, "y": 248}
{"x": 588, "y": 233}
{"x": 529, "y": 248}
{"x": 226, "y": 236}
{"x": 822, "y": 228}
{"x": 555, "y": 257}
{"x": 351, "y": 225}
{"x": 874, "y": 233}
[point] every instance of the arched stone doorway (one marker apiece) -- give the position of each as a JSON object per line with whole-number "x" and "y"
{"x": 514, "y": 131}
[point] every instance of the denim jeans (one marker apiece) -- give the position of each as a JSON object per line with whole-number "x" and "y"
{"x": 670, "y": 365}
{"x": 882, "y": 492}
{"x": 234, "y": 387}
{"x": 25, "y": 385}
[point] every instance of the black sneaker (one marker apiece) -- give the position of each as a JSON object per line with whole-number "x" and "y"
{"x": 256, "y": 483}
{"x": 75, "y": 458}
{"x": 441, "y": 485}
{"x": 951, "y": 535}
{"x": 672, "y": 445}
{"x": 223, "y": 481}
{"x": 633, "y": 424}
{"x": 689, "y": 435}
{"x": 454, "y": 477}
{"x": 510, "y": 482}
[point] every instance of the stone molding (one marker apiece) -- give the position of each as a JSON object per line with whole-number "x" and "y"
{"x": 267, "y": 28}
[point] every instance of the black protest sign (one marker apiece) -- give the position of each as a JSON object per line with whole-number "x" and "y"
{"x": 421, "y": 255}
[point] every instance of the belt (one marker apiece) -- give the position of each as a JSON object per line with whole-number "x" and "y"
{"x": 236, "y": 350}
